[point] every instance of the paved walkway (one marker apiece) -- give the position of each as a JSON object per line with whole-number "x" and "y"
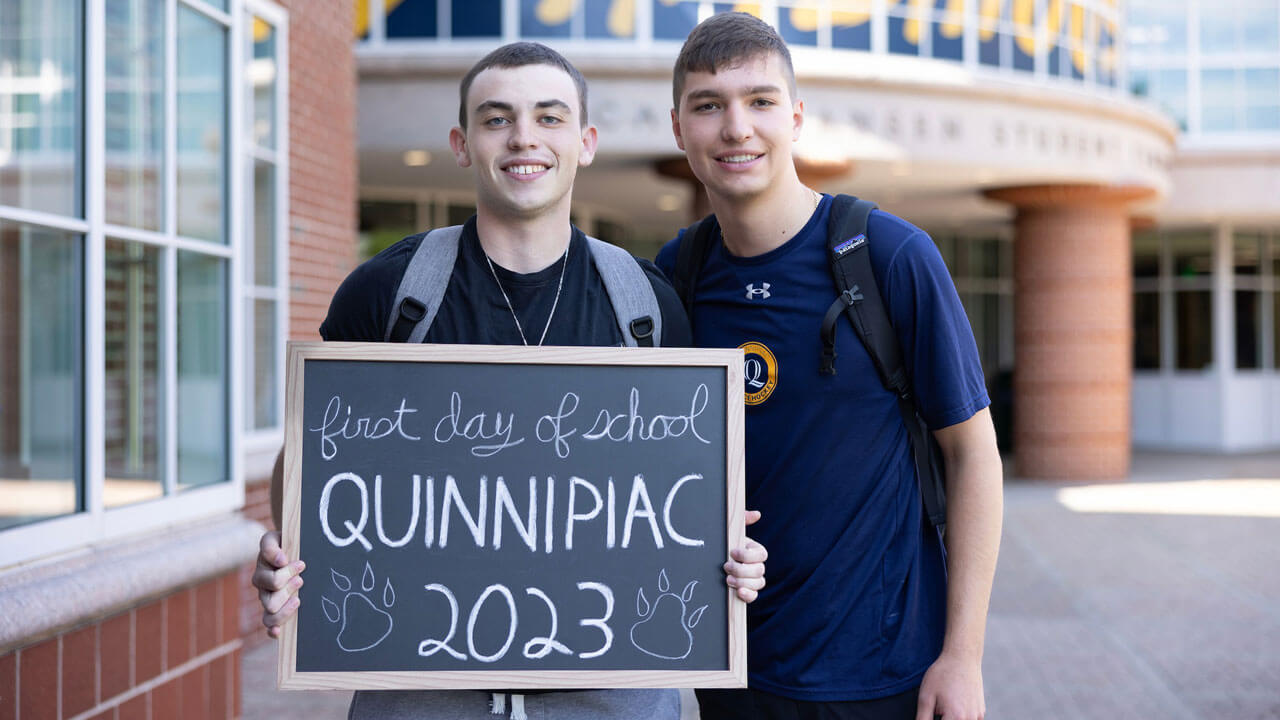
{"x": 1157, "y": 598}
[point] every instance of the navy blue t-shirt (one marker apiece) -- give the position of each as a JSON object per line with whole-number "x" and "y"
{"x": 855, "y": 605}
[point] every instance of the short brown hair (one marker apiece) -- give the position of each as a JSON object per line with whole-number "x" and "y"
{"x": 724, "y": 40}
{"x": 520, "y": 54}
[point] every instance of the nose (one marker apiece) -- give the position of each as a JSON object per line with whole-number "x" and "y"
{"x": 736, "y": 127}
{"x": 522, "y": 135}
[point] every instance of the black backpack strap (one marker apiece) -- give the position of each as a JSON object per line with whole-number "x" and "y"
{"x": 691, "y": 254}
{"x": 860, "y": 299}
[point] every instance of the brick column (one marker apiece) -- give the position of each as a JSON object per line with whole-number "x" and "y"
{"x": 1073, "y": 329}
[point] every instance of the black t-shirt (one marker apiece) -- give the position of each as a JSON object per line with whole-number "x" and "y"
{"x": 473, "y": 310}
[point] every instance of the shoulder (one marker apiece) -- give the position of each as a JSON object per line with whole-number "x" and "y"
{"x": 666, "y": 258}
{"x": 362, "y": 303}
{"x": 893, "y": 239}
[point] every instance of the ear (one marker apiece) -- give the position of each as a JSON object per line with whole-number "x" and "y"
{"x": 590, "y": 139}
{"x": 675, "y": 128}
{"x": 458, "y": 143}
{"x": 797, "y": 119}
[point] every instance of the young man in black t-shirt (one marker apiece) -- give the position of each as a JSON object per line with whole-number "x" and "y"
{"x": 523, "y": 275}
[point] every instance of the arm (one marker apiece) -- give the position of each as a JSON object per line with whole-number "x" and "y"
{"x": 952, "y": 688}
{"x": 275, "y": 578}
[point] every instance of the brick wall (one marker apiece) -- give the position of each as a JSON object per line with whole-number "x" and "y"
{"x": 176, "y": 657}
{"x": 322, "y": 157}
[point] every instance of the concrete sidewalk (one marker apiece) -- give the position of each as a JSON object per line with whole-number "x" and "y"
{"x": 1157, "y": 598}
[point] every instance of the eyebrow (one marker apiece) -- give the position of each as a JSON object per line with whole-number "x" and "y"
{"x": 754, "y": 90}
{"x": 508, "y": 107}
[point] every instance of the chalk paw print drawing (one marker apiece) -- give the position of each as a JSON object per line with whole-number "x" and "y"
{"x": 652, "y": 635}
{"x": 363, "y": 624}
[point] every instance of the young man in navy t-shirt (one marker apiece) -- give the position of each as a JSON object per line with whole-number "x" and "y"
{"x": 865, "y": 616}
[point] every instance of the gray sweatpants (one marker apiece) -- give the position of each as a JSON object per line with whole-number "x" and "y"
{"x": 476, "y": 705}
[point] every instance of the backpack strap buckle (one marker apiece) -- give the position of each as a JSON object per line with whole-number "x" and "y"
{"x": 642, "y": 331}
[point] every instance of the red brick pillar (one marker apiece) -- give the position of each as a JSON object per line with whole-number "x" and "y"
{"x": 1073, "y": 330}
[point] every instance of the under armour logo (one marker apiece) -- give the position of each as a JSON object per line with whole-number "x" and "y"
{"x": 754, "y": 292}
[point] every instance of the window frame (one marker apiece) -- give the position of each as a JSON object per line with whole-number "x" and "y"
{"x": 265, "y": 441}
{"x": 96, "y": 524}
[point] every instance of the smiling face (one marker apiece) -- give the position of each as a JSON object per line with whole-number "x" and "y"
{"x": 525, "y": 139}
{"x": 737, "y": 125}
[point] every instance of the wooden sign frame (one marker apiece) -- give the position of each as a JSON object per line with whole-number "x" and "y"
{"x": 729, "y": 359}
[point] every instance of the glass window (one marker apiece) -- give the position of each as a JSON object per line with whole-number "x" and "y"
{"x": 673, "y": 19}
{"x": 264, "y": 224}
{"x": 265, "y": 386}
{"x": 383, "y": 223}
{"x": 202, "y": 370}
{"x": 946, "y": 248}
{"x": 134, "y": 418}
{"x": 1158, "y": 26}
{"x": 1262, "y": 98}
{"x": 41, "y": 406}
{"x": 613, "y": 19}
{"x": 41, "y": 95}
{"x": 1218, "y": 100}
{"x": 477, "y": 18}
{"x": 1217, "y": 28}
{"x": 1275, "y": 330}
{"x": 1022, "y": 18}
{"x": 541, "y": 19}
{"x": 1193, "y": 311}
{"x": 611, "y": 232}
{"x": 1260, "y": 26}
{"x": 904, "y": 27}
{"x": 1104, "y": 71}
{"x": 1192, "y": 254}
{"x": 1247, "y": 254}
{"x": 851, "y": 24}
{"x": 411, "y": 18}
{"x": 458, "y": 214}
{"x": 990, "y": 39}
{"x": 948, "y": 29}
{"x": 1248, "y": 329}
{"x": 1146, "y": 331}
{"x": 798, "y": 23}
{"x": 202, "y": 123}
{"x": 1146, "y": 255}
{"x": 362, "y": 20}
{"x": 262, "y": 81}
{"x": 134, "y": 191}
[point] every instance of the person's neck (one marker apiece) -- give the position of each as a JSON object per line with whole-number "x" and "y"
{"x": 755, "y": 225}
{"x": 524, "y": 245}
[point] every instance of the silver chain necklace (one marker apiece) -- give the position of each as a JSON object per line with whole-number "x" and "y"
{"x": 565, "y": 260}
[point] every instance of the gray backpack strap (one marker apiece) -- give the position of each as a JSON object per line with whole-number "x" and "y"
{"x": 422, "y": 286}
{"x": 630, "y": 292}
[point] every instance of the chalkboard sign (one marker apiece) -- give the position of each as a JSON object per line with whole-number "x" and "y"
{"x": 508, "y": 517}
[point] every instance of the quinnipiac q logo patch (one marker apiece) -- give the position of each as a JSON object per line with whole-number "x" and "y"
{"x": 759, "y": 372}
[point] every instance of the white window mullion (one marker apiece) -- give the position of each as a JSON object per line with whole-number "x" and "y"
{"x": 169, "y": 259}
{"x": 36, "y": 217}
{"x": 169, "y": 350}
{"x": 377, "y": 10}
{"x": 94, "y": 257}
{"x": 205, "y": 8}
{"x": 236, "y": 131}
{"x": 170, "y": 223}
